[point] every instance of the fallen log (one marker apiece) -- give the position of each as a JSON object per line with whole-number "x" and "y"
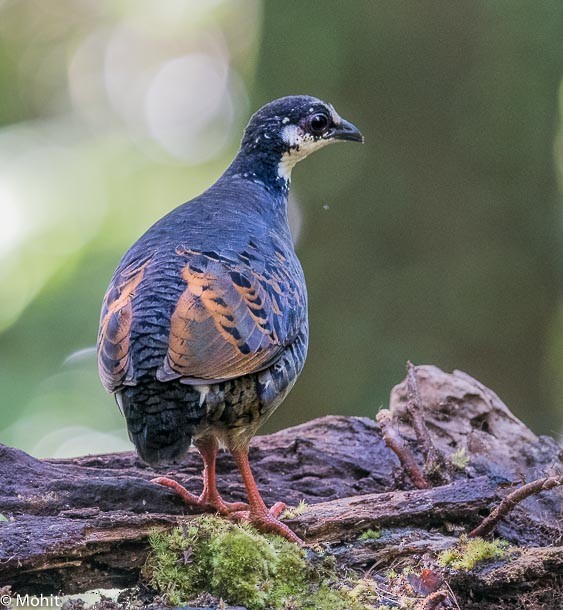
{"x": 347, "y": 518}
{"x": 106, "y": 549}
{"x": 77, "y": 524}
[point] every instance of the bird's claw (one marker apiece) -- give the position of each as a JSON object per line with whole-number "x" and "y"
{"x": 267, "y": 522}
{"x": 206, "y": 501}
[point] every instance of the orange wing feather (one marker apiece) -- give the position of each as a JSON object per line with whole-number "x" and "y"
{"x": 115, "y": 326}
{"x": 223, "y": 324}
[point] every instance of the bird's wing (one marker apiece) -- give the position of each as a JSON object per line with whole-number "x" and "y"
{"x": 116, "y": 319}
{"x": 234, "y": 317}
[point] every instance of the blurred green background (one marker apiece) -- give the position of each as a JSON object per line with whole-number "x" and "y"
{"x": 439, "y": 241}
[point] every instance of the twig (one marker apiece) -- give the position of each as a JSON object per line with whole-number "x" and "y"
{"x": 397, "y": 444}
{"x": 511, "y": 500}
{"x": 453, "y": 598}
{"x": 435, "y": 465}
{"x": 415, "y": 410}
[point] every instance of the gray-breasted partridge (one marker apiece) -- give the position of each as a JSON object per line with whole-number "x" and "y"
{"x": 203, "y": 329}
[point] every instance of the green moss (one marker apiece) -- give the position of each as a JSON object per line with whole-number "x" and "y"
{"x": 460, "y": 459}
{"x": 377, "y": 597}
{"x": 241, "y": 566}
{"x": 468, "y": 552}
{"x": 326, "y": 598}
{"x": 370, "y": 535}
{"x": 294, "y": 511}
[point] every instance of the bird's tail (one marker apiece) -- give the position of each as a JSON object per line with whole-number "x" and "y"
{"x": 161, "y": 419}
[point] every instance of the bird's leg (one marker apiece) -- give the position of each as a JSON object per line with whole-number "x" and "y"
{"x": 210, "y": 494}
{"x": 258, "y": 514}
{"x": 209, "y": 497}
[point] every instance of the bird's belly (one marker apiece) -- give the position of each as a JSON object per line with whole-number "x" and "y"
{"x": 236, "y": 409}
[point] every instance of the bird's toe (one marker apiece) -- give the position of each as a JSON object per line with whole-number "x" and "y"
{"x": 277, "y": 509}
{"x": 212, "y": 502}
{"x": 225, "y": 508}
{"x": 267, "y": 522}
{"x": 188, "y": 497}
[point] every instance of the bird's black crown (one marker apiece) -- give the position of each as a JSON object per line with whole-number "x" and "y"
{"x": 285, "y": 131}
{"x": 315, "y": 118}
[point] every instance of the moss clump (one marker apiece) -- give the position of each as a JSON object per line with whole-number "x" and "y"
{"x": 460, "y": 459}
{"x": 370, "y": 535}
{"x": 468, "y": 552}
{"x": 294, "y": 511}
{"x": 236, "y": 563}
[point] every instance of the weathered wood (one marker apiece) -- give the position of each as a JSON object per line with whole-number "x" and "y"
{"x": 82, "y": 523}
{"x": 400, "y": 447}
{"x": 106, "y": 549}
{"x": 511, "y": 500}
{"x": 436, "y": 468}
{"x": 85, "y": 521}
{"x": 531, "y": 579}
{"x": 342, "y": 519}
{"x": 325, "y": 459}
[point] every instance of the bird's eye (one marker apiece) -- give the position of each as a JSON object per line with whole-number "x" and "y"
{"x": 319, "y": 123}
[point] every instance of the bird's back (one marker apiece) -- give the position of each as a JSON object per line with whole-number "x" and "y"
{"x": 205, "y": 320}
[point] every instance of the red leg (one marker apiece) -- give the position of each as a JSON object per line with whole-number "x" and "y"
{"x": 263, "y": 519}
{"x": 210, "y": 494}
{"x": 209, "y": 497}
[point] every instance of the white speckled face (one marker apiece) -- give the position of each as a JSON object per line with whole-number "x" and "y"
{"x": 301, "y": 145}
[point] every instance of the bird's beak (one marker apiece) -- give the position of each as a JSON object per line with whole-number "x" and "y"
{"x": 347, "y": 131}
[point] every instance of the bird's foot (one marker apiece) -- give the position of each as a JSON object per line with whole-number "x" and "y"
{"x": 206, "y": 500}
{"x": 267, "y": 522}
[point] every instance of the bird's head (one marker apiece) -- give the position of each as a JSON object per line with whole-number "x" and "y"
{"x": 287, "y": 130}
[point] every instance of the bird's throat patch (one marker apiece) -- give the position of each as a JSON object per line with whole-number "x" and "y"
{"x": 301, "y": 145}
